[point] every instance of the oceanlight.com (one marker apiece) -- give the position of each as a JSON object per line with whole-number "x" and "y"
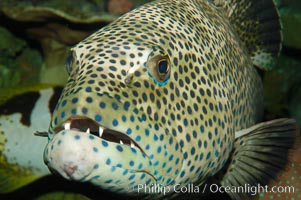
{"x": 213, "y": 188}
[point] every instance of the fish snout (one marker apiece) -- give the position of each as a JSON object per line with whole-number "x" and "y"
{"x": 70, "y": 168}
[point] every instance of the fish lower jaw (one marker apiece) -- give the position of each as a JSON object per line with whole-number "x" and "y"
{"x": 89, "y": 126}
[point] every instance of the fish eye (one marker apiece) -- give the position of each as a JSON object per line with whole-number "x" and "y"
{"x": 162, "y": 67}
{"x": 158, "y": 66}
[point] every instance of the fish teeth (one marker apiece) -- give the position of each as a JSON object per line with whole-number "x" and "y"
{"x": 100, "y": 131}
{"x": 88, "y": 130}
{"x": 120, "y": 142}
{"x": 67, "y": 125}
{"x": 132, "y": 145}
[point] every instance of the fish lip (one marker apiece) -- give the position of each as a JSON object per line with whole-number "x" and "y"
{"x": 90, "y": 126}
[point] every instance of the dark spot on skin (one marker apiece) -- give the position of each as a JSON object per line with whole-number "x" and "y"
{"x": 22, "y": 103}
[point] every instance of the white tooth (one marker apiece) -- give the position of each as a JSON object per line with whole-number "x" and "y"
{"x": 88, "y": 130}
{"x": 120, "y": 142}
{"x": 100, "y": 131}
{"x": 67, "y": 125}
{"x": 132, "y": 145}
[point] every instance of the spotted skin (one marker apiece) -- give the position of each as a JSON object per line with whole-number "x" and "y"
{"x": 173, "y": 76}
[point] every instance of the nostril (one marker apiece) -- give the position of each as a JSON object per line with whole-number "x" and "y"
{"x": 70, "y": 168}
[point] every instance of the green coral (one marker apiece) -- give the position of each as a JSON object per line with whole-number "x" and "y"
{"x": 18, "y": 62}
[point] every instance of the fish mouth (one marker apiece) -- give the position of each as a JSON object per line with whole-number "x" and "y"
{"x": 87, "y": 125}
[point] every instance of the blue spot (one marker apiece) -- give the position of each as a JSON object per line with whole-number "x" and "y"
{"x": 88, "y": 89}
{"x": 148, "y": 181}
{"x": 181, "y": 143}
{"x": 108, "y": 161}
{"x": 89, "y": 100}
{"x": 188, "y": 137}
{"x": 91, "y": 137}
{"x": 174, "y": 132}
{"x": 74, "y": 100}
{"x": 95, "y": 149}
{"x": 205, "y": 144}
{"x": 185, "y": 155}
{"x": 161, "y": 137}
{"x": 156, "y": 138}
{"x": 84, "y": 110}
{"x": 210, "y": 135}
{"x": 55, "y": 120}
{"x": 142, "y": 176}
{"x": 146, "y": 132}
{"x": 138, "y": 138}
{"x": 98, "y": 118}
{"x": 182, "y": 174}
{"x": 177, "y": 146}
{"x": 108, "y": 181}
{"x": 59, "y": 142}
{"x": 64, "y": 103}
{"x": 170, "y": 140}
{"x": 133, "y": 150}
{"x": 147, "y": 147}
{"x": 177, "y": 161}
{"x": 164, "y": 165}
{"x": 126, "y": 105}
{"x": 192, "y": 151}
{"x": 194, "y": 134}
{"x": 180, "y": 128}
{"x": 140, "y": 166}
{"x": 132, "y": 118}
{"x": 115, "y": 122}
{"x": 137, "y": 127}
{"x": 104, "y": 143}
{"x": 96, "y": 177}
{"x": 102, "y": 105}
{"x": 96, "y": 166}
{"x": 191, "y": 168}
{"x": 119, "y": 148}
{"x": 201, "y": 156}
{"x": 73, "y": 111}
{"x": 123, "y": 118}
{"x": 77, "y": 137}
{"x": 132, "y": 177}
{"x": 132, "y": 163}
{"x": 156, "y": 163}
{"x": 159, "y": 150}
{"x": 185, "y": 122}
{"x": 202, "y": 128}
{"x": 170, "y": 157}
{"x": 63, "y": 114}
{"x": 189, "y": 110}
{"x": 169, "y": 170}
{"x": 216, "y": 153}
{"x": 114, "y": 106}
{"x": 125, "y": 172}
{"x": 208, "y": 155}
{"x": 129, "y": 131}
{"x": 113, "y": 168}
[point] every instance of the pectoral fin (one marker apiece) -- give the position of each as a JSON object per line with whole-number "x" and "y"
{"x": 260, "y": 153}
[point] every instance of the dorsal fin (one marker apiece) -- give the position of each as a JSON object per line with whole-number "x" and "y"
{"x": 257, "y": 24}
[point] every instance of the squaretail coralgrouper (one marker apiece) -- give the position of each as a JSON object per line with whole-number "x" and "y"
{"x": 169, "y": 95}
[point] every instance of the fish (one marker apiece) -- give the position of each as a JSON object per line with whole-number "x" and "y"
{"x": 169, "y": 96}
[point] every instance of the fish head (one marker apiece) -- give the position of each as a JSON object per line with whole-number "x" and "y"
{"x": 134, "y": 110}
